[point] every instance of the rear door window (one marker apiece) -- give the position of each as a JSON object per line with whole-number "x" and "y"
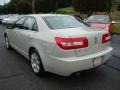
{"x": 29, "y": 23}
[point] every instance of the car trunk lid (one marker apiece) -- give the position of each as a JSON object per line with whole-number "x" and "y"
{"x": 93, "y": 36}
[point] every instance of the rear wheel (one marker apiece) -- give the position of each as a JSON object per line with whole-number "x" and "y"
{"x": 7, "y": 44}
{"x": 36, "y": 63}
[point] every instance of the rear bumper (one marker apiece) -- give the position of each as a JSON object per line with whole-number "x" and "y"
{"x": 67, "y": 66}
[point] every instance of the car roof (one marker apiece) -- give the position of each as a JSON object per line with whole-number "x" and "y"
{"x": 45, "y": 15}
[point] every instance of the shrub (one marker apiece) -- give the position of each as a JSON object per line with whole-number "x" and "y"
{"x": 68, "y": 10}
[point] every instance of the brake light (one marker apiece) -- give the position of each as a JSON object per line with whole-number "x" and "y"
{"x": 106, "y": 38}
{"x": 71, "y": 43}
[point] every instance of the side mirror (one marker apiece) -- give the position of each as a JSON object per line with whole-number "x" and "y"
{"x": 10, "y": 26}
{"x": 113, "y": 22}
{"x": 19, "y": 26}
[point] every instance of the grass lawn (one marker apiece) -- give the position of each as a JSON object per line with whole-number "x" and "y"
{"x": 68, "y": 10}
{"x": 116, "y": 28}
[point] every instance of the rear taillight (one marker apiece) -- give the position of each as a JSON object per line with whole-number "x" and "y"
{"x": 106, "y": 38}
{"x": 71, "y": 43}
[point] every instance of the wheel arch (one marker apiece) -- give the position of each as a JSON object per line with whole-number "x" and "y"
{"x": 33, "y": 48}
{"x": 41, "y": 53}
{"x": 30, "y": 49}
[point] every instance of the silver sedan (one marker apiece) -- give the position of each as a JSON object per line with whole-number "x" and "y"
{"x": 59, "y": 44}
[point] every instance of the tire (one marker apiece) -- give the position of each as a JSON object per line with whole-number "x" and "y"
{"x": 36, "y": 64}
{"x": 7, "y": 44}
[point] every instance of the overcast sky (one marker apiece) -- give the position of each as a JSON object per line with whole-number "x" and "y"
{"x": 2, "y": 1}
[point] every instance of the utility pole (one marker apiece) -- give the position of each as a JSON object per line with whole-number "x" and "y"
{"x": 56, "y": 4}
{"x": 33, "y": 6}
{"x": 4, "y": 7}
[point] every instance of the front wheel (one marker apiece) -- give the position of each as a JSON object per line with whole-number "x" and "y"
{"x": 36, "y": 63}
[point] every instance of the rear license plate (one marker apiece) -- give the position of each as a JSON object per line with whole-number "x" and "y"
{"x": 97, "y": 61}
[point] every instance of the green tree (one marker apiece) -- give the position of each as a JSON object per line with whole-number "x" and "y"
{"x": 24, "y": 7}
{"x": 63, "y": 3}
{"x": 88, "y": 6}
{"x": 118, "y": 8}
{"x": 1, "y": 9}
{"x": 45, "y": 6}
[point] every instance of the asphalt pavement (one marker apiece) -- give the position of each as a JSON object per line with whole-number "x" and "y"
{"x": 16, "y": 73}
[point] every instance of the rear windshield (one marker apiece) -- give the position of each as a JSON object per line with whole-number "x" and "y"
{"x": 63, "y": 22}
